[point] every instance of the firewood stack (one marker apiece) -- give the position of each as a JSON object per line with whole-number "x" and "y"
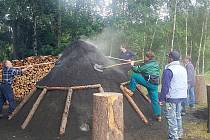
{"x": 25, "y": 83}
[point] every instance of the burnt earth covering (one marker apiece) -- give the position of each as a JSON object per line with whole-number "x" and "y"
{"x": 75, "y": 67}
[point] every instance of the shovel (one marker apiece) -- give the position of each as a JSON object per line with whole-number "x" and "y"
{"x": 101, "y": 68}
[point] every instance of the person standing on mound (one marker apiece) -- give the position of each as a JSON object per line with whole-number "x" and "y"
{"x": 147, "y": 75}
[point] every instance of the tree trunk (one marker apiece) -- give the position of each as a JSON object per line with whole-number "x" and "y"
{"x": 153, "y": 36}
{"x": 204, "y": 45}
{"x": 186, "y": 26}
{"x": 200, "y": 89}
{"x": 35, "y": 36}
{"x": 108, "y": 116}
{"x": 199, "y": 51}
{"x": 59, "y": 24}
{"x": 174, "y": 26}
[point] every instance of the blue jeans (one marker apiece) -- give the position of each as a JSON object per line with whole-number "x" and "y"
{"x": 174, "y": 120}
{"x": 152, "y": 89}
{"x": 6, "y": 93}
{"x": 191, "y": 96}
{"x": 190, "y": 99}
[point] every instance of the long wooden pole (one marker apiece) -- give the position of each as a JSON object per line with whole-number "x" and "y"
{"x": 18, "y": 108}
{"x": 208, "y": 100}
{"x": 135, "y": 107}
{"x": 34, "y": 108}
{"x": 66, "y": 112}
{"x": 73, "y": 87}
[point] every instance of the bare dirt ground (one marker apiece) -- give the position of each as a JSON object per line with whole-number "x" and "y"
{"x": 195, "y": 124}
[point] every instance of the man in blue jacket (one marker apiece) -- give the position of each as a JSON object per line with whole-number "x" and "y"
{"x": 173, "y": 93}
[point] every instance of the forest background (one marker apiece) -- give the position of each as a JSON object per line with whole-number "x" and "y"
{"x": 46, "y": 27}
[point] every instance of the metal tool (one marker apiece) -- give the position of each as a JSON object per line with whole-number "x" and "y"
{"x": 100, "y": 68}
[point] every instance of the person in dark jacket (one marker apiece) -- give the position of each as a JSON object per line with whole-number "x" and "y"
{"x": 126, "y": 54}
{"x": 6, "y": 92}
{"x": 191, "y": 84}
{"x": 147, "y": 75}
{"x": 173, "y": 93}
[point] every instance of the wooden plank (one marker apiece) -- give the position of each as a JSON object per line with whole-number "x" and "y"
{"x": 66, "y": 112}
{"x": 135, "y": 107}
{"x": 18, "y": 108}
{"x": 208, "y": 101}
{"x": 108, "y": 121}
{"x": 34, "y": 108}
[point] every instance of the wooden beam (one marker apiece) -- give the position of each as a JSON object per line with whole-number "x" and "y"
{"x": 125, "y": 83}
{"x": 86, "y": 86}
{"x": 73, "y": 87}
{"x": 66, "y": 112}
{"x": 18, "y": 108}
{"x": 108, "y": 116}
{"x": 34, "y": 108}
{"x": 208, "y": 101}
{"x": 135, "y": 107}
{"x": 144, "y": 96}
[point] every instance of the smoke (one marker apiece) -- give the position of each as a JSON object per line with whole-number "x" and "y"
{"x": 108, "y": 41}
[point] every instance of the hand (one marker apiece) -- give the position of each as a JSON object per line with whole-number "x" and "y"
{"x": 132, "y": 63}
{"x": 161, "y": 103}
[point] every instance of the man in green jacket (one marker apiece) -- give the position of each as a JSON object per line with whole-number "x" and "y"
{"x": 147, "y": 75}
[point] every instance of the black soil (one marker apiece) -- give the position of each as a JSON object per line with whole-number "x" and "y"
{"x": 75, "y": 67}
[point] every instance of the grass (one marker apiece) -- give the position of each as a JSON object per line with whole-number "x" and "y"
{"x": 207, "y": 77}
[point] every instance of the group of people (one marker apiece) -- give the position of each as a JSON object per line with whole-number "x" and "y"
{"x": 6, "y": 92}
{"x": 177, "y": 87}
{"x": 177, "y": 91}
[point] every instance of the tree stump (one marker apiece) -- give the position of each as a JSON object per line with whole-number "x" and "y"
{"x": 208, "y": 97}
{"x": 200, "y": 88}
{"x": 108, "y": 123}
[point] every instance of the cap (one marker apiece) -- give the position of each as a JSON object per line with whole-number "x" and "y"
{"x": 174, "y": 55}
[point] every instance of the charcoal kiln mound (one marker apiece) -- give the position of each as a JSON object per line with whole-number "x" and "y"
{"x": 75, "y": 68}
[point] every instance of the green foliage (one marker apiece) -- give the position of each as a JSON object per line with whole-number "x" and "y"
{"x": 25, "y": 25}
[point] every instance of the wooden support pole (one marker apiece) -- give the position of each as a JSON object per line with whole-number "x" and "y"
{"x": 125, "y": 83}
{"x": 66, "y": 112}
{"x": 108, "y": 121}
{"x": 86, "y": 86}
{"x": 73, "y": 87}
{"x": 208, "y": 100}
{"x": 34, "y": 108}
{"x": 144, "y": 96}
{"x": 135, "y": 107}
{"x": 18, "y": 108}
{"x": 201, "y": 96}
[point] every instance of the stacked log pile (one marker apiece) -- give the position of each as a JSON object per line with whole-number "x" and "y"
{"x": 24, "y": 84}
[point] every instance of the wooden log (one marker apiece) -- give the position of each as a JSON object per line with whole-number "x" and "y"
{"x": 208, "y": 101}
{"x": 66, "y": 112}
{"x": 86, "y": 86}
{"x": 125, "y": 83}
{"x": 200, "y": 88}
{"x": 108, "y": 116}
{"x": 135, "y": 107}
{"x": 18, "y": 108}
{"x": 34, "y": 108}
{"x": 73, "y": 87}
{"x": 144, "y": 96}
